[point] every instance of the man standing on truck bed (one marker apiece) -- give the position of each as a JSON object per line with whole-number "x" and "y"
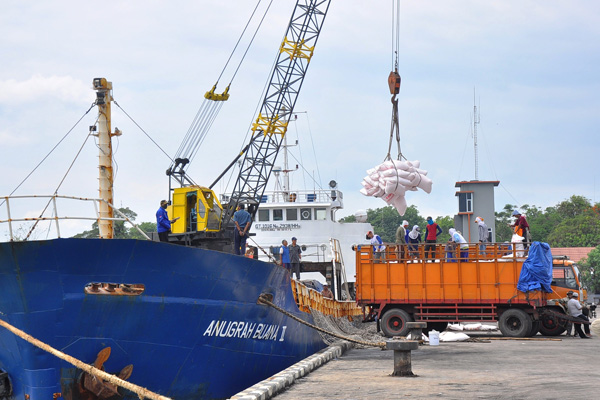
{"x": 378, "y": 247}
{"x": 401, "y": 239}
{"x": 522, "y": 228}
{"x": 432, "y": 231}
{"x": 575, "y": 309}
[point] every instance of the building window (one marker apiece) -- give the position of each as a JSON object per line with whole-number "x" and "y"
{"x": 320, "y": 214}
{"x": 263, "y": 215}
{"x": 291, "y": 214}
{"x": 465, "y": 202}
{"x": 278, "y": 215}
{"x": 305, "y": 214}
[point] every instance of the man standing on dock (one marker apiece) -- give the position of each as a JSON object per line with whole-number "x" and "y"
{"x": 295, "y": 256}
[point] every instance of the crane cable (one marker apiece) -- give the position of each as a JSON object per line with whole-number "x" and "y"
{"x": 212, "y": 103}
{"x": 394, "y": 82}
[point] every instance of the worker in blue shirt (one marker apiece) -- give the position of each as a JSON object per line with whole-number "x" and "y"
{"x": 242, "y": 220}
{"x": 163, "y": 223}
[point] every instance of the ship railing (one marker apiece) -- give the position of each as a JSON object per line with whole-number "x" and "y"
{"x": 9, "y": 201}
{"x": 296, "y": 196}
{"x": 309, "y": 299}
{"x": 301, "y": 196}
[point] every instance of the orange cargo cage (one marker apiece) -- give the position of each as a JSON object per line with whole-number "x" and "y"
{"x": 479, "y": 275}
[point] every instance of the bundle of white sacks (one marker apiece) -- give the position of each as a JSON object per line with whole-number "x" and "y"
{"x": 391, "y": 179}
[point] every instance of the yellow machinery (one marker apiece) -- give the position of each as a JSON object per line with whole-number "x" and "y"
{"x": 197, "y": 208}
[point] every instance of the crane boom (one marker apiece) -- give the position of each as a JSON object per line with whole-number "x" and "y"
{"x": 271, "y": 124}
{"x": 201, "y": 219}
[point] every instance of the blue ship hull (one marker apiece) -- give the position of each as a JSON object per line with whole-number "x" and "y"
{"x": 196, "y": 331}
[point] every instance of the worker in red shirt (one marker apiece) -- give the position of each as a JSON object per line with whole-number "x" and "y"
{"x": 432, "y": 231}
{"x": 521, "y": 228}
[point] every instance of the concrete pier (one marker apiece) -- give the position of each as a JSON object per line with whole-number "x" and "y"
{"x": 499, "y": 369}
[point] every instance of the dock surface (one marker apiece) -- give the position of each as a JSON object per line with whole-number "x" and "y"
{"x": 500, "y": 369}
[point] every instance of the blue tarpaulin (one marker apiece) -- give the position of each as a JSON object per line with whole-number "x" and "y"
{"x": 536, "y": 273}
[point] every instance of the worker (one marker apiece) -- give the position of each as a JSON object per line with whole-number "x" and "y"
{"x": 163, "y": 223}
{"x": 414, "y": 238}
{"x": 462, "y": 243}
{"x": 285, "y": 255}
{"x": 295, "y": 257}
{"x": 521, "y": 228}
{"x": 482, "y": 231}
{"x": 575, "y": 310}
{"x": 242, "y": 221}
{"x": 378, "y": 246}
{"x": 432, "y": 231}
{"x": 327, "y": 292}
{"x": 401, "y": 235}
{"x": 565, "y": 301}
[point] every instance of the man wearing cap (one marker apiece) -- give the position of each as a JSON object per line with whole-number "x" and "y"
{"x": 564, "y": 302}
{"x": 163, "y": 223}
{"x": 521, "y": 228}
{"x": 575, "y": 310}
{"x": 295, "y": 256}
{"x": 327, "y": 292}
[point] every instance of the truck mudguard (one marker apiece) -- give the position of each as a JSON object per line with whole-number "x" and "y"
{"x": 536, "y": 273}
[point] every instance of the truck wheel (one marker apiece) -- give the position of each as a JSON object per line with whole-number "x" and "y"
{"x": 551, "y": 326}
{"x": 515, "y": 323}
{"x": 393, "y": 322}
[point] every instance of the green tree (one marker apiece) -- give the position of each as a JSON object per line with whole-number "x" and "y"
{"x": 445, "y": 223}
{"x": 581, "y": 231}
{"x": 121, "y": 229}
{"x": 503, "y": 220}
{"x": 386, "y": 221}
{"x": 590, "y": 271}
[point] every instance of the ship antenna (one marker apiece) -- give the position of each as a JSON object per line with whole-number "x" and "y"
{"x": 475, "y": 123}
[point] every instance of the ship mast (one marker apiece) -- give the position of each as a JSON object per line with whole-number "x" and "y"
{"x": 104, "y": 98}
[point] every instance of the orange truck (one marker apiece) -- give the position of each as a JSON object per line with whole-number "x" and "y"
{"x": 402, "y": 286}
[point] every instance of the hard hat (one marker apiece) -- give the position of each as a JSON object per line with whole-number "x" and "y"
{"x": 575, "y": 294}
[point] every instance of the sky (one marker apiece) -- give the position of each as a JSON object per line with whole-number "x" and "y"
{"x": 529, "y": 66}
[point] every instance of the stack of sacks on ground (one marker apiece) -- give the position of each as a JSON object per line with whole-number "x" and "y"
{"x": 391, "y": 179}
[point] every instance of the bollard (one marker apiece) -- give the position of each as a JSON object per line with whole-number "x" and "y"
{"x": 416, "y": 329}
{"x": 402, "y": 358}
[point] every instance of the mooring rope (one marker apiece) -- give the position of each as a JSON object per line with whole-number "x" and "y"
{"x": 140, "y": 391}
{"x": 262, "y": 299}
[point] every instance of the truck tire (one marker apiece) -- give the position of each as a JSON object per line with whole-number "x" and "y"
{"x": 515, "y": 323}
{"x": 393, "y": 322}
{"x": 551, "y": 326}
